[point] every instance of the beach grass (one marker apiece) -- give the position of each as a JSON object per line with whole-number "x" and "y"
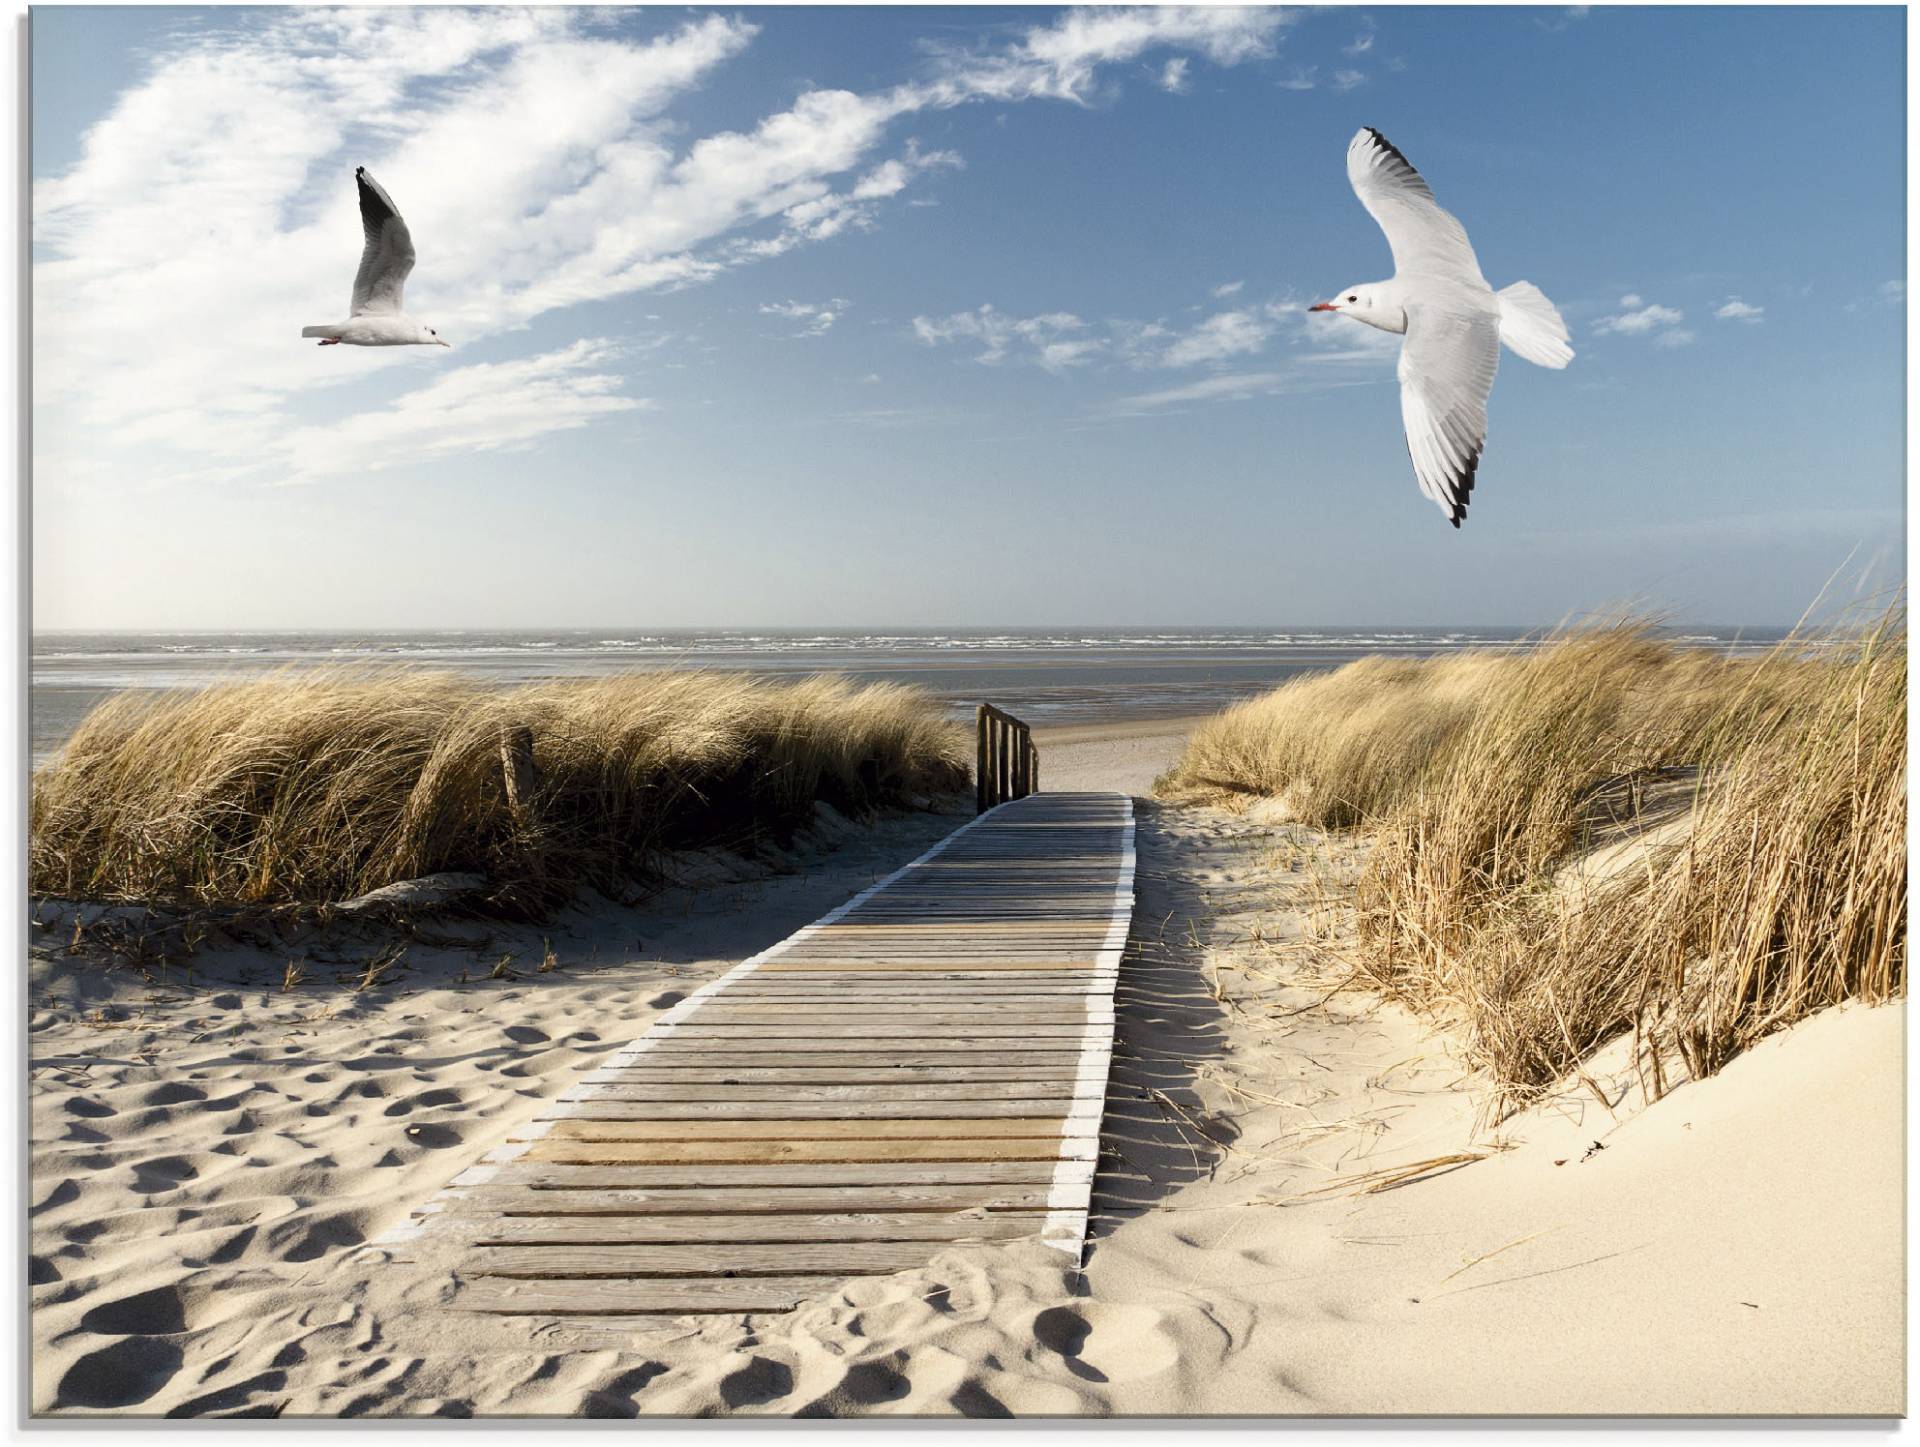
{"x": 320, "y": 785}
{"x": 1481, "y": 781}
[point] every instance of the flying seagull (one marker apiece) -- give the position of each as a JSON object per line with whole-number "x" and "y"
{"x": 1453, "y": 321}
{"x": 376, "y": 319}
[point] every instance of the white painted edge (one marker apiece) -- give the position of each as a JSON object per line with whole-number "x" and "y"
{"x": 1071, "y": 1198}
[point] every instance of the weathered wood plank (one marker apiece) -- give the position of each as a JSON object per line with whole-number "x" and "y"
{"x": 800, "y": 1111}
{"x": 629, "y": 1230}
{"x": 504, "y": 1296}
{"x": 790, "y": 1173}
{"x": 866, "y": 1071}
{"x": 580, "y": 1128}
{"x": 958, "y": 1094}
{"x": 561, "y": 1150}
{"x": 698, "y": 1203}
{"x": 733, "y": 1258}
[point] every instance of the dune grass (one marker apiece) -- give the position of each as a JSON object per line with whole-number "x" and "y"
{"x": 319, "y": 785}
{"x": 1478, "y": 777}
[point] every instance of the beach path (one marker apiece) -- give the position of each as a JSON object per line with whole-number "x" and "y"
{"x": 925, "y": 1065}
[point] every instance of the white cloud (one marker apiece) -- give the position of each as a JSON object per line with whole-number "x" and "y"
{"x": 1678, "y": 337}
{"x": 1228, "y": 387}
{"x": 1735, "y": 310}
{"x": 1638, "y": 317}
{"x": 1301, "y": 79}
{"x": 1226, "y": 334}
{"x": 1173, "y": 75}
{"x": 1346, "y": 80}
{"x": 1227, "y": 289}
{"x": 1362, "y": 43}
{"x": 815, "y": 319}
{"x": 1056, "y": 340}
{"x": 1063, "y": 60}
{"x": 1321, "y": 352}
{"x": 1570, "y": 16}
{"x": 1893, "y": 292}
{"x": 535, "y": 158}
{"x": 479, "y": 408}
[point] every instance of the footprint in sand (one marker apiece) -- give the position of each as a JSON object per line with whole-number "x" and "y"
{"x": 122, "y": 1374}
{"x": 1103, "y": 1343}
{"x": 760, "y": 1381}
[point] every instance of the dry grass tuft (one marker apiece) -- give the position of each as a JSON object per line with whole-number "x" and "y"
{"x": 1479, "y": 777}
{"x": 321, "y": 785}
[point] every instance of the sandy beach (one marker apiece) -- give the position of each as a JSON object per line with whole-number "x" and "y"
{"x": 1300, "y": 1208}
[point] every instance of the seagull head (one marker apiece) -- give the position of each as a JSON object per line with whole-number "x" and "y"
{"x": 430, "y": 338}
{"x": 1369, "y": 304}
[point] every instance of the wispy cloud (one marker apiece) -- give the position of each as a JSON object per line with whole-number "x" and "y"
{"x": 1220, "y": 337}
{"x": 1227, "y": 387}
{"x": 1735, "y": 310}
{"x": 1346, "y": 80}
{"x": 1056, "y": 340}
{"x": 1568, "y": 17}
{"x": 1361, "y": 43}
{"x": 1174, "y": 77}
{"x": 1639, "y": 317}
{"x": 1303, "y": 78}
{"x": 815, "y": 319}
{"x": 1315, "y": 352}
{"x": 481, "y": 408}
{"x": 1227, "y": 289}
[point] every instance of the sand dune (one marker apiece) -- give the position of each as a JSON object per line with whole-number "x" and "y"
{"x": 210, "y": 1162}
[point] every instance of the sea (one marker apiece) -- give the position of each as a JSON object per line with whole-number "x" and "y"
{"x": 1047, "y": 677}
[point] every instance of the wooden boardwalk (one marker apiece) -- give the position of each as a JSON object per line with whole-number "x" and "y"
{"x": 925, "y": 1065}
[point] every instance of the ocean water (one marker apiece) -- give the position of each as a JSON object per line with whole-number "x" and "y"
{"x": 1047, "y": 677}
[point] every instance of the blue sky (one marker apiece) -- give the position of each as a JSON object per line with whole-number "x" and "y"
{"x": 952, "y": 317}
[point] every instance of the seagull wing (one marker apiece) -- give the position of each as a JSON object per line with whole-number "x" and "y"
{"x": 1446, "y": 372}
{"x": 388, "y": 259}
{"x": 1426, "y": 240}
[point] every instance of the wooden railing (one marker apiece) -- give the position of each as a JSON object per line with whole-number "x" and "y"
{"x": 1007, "y": 765}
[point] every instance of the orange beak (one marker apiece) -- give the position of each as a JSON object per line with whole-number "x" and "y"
{"x": 1325, "y": 306}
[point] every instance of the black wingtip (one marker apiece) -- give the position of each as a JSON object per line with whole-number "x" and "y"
{"x": 1455, "y": 520}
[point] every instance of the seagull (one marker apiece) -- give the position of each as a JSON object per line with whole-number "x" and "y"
{"x": 1453, "y": 321}
{"x": 376, "y": 319}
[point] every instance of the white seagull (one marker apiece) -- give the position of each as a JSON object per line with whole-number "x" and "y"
{"x": 376, "y": 319}
{"x": 1453, "y": 321}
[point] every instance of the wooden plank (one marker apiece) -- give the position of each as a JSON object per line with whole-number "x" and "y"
{"x": 907, "y": 1032}
{"x": 560, "y": 1150}
{"x": 879, "y": 1057}
{"x": 800, "y": 1112}
{"x": 625, "y": 1230}
{"x": 770, "y": 1177}
{"x": 690, "y": 1203}
{"x": 508, "y": 1297}
{"x": 733, "y": 1258}
{"x": 924, "y": 1092}
{"x": 581, "y": 1128}
{"x": 868, "y": 1071}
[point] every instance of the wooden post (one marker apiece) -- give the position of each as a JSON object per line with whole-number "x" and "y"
{"x": 516, "y": 767}
{"x": 1035, "y": 766}
{"x": 1006, "y": 760}
{"x": 980, "y": 805}
{"x": 1022, "y": 750}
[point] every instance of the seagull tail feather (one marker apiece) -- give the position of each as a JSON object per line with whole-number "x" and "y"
{"x": 1531, "y": 326}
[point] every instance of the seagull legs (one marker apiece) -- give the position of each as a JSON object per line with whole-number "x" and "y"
{"x": 331, "y": 342}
